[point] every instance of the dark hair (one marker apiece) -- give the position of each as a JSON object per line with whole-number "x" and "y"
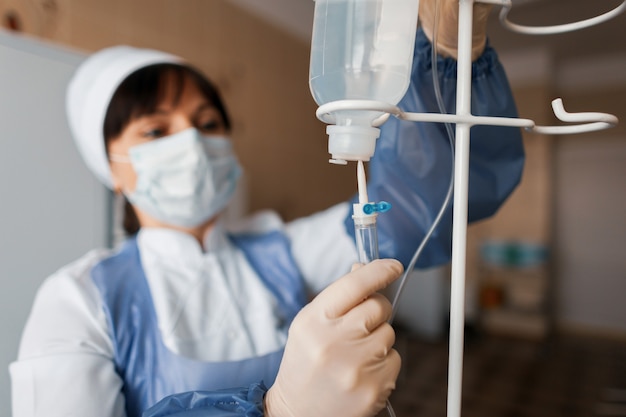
{"x": 140, "y": 94}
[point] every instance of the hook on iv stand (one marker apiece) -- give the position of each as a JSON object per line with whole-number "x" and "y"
{"x": 550, "y": 30}
{"x": 464, "y": 120}
{"x": 585, "y": 121}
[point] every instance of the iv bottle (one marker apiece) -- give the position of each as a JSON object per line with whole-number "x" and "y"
{"x": 360, "y": 50}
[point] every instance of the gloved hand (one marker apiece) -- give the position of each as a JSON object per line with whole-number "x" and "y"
{"x": 447, "y": 33}
{"x": 339, "y": 360}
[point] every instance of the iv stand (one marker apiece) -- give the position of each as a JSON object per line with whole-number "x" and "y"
{"x": 464, "y": 120}
{"x": 459, "y": 214}
{"x": 461, "y": 174}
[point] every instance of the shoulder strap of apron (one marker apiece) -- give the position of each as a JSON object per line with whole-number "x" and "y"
{"x": 271, "y": 258}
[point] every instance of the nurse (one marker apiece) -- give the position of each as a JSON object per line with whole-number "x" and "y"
{"x": 195, "y": 315}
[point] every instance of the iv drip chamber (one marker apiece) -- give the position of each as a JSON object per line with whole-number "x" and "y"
{"x": 360, "y": 50}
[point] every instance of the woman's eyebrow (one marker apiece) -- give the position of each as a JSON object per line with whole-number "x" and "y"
{"x": 204, "y": 106}
{"x": 154, "y": 113}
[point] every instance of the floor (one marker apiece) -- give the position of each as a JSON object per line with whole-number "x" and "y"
{"x": 505, "y": 377}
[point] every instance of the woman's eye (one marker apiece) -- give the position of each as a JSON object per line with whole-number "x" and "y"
{"x": 154, "y": 133}
{"x": 210, "y": 126}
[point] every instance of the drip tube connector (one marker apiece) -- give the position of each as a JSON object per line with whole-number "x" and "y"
{"x": 364, "y": 214}
{"x": 381, "y": 207}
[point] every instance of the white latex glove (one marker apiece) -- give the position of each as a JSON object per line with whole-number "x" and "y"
{"x": 339, "y": 360}
{"x": 447, "y": 33}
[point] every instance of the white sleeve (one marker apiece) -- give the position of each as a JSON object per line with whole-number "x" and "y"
{"x": 321, "y": 247}
{"x": 65, "y": 362}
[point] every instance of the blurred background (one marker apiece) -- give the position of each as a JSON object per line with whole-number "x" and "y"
{"x": 546, "y": 277}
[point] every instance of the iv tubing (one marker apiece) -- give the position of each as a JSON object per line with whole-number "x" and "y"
{"x": 460, "y": 174}
{"x": 444, "y": 205}
{"x": 361, "y": 185}
{"x": 420, "y": 248}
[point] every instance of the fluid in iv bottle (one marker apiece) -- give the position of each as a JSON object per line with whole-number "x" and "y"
{"x": 362, "y": 49}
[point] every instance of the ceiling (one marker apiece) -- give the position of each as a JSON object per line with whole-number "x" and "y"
{"x": 296, "y": 16}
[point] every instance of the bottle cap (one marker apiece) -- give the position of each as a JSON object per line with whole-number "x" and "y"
{"x": 351, "y": 143}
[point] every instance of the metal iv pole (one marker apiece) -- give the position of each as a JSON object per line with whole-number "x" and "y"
{"x": 459, "y": 214}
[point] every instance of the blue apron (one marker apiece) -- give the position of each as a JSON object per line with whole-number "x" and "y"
{"x": 150, "y": 371}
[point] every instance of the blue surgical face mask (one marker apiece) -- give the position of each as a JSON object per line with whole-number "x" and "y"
{"x": 184, "y": 179}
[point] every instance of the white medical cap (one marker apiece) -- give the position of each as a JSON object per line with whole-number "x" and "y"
{"x": 88, "y": 95}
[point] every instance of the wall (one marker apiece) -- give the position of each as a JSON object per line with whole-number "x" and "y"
{"x": 526, "y": 215}
{"x": 261, "y": 70}
{"x": 51, "y": 209}
{"x": 587, "y": 68}
{"x": 572, "y": 195}
{"x": 590, "y": 228}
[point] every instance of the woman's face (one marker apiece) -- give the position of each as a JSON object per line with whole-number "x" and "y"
{"x": 191, "y": 109}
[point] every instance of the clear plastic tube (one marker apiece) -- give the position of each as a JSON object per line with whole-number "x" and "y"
{"x": 365, "y": 232}
{"x": 366, "y": 236}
